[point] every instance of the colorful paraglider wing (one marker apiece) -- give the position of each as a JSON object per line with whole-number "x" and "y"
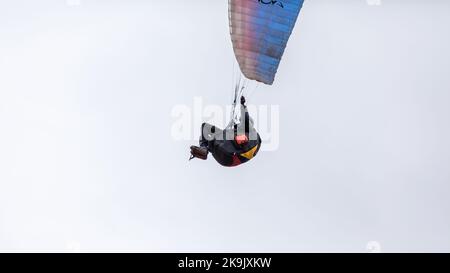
{"x": 260, "y": 30}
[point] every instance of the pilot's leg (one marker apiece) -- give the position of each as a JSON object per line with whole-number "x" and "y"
{"x": 209, "y": 134}
{"x": 205, "y": 142}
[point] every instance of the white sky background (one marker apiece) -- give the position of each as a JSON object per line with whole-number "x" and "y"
{"x": 87, "y": 161}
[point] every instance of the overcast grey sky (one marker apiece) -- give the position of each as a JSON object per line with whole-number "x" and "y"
{"x": 87, "y": 160}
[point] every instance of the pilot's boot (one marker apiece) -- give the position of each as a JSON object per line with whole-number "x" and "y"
{"x": 199, "y": 152}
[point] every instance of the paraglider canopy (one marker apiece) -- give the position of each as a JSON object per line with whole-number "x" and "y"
{"x": 260, "y": 30}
